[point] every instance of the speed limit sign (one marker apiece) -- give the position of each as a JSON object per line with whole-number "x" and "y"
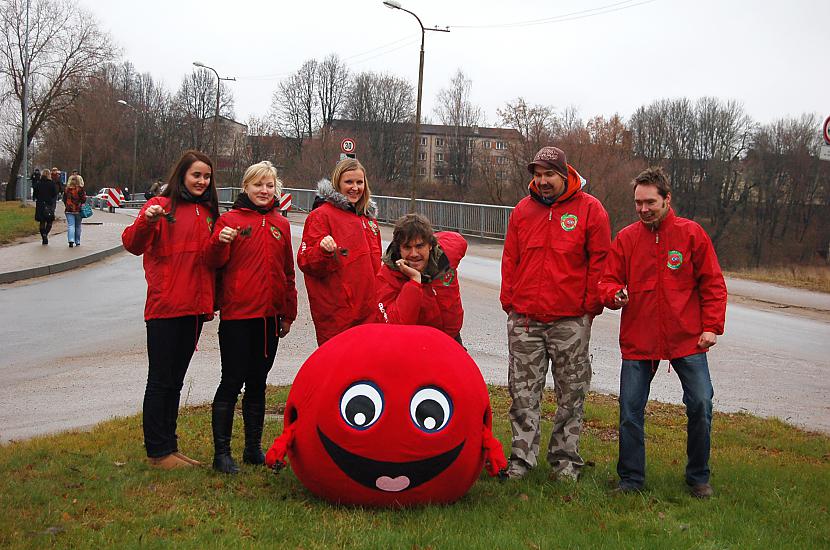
{"x": 826, "y": 132}
{"x": 347, "y": 145}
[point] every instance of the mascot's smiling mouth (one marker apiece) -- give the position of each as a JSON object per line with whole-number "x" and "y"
{"x": 388, "y": 476}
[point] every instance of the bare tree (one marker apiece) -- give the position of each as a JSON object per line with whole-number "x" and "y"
{"x": 455, "y": 110}
{"x": 65, "y": 48}
{"x": 195, "y": 104}
{"x": 332, "y": 86}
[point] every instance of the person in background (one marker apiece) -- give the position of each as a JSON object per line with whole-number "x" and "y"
{"x": 251, "y": 244}
{"x": 45, "y": 194}
{"x": 57, "y": 180}
{"x": 73, "y": 198}
{"x": 153, "y": 190}
{"x": 340, "y": 252}
{"x": 664, "y": 274}
{"x": 418, "y": 281}
{"x": 171, "y": 231}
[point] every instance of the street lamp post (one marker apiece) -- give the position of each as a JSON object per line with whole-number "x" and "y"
{"x": 24, "y": 185}
{"x": 216, "y": 113}
{"x": 395, "y": 5}
{"x": 135, "y": 139}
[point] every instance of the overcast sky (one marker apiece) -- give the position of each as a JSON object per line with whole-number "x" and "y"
{"x": 608, "y": 56}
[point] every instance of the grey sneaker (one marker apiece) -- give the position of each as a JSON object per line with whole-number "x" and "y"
{"x": 567, "y": 474}
{"x": 702, "y": 490}
{"x": 516, "y": 470}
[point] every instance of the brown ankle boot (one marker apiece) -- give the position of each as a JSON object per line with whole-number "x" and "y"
{"x": 167, "y": 462}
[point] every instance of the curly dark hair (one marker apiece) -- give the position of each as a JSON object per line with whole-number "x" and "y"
{"x": 410, "y": 227}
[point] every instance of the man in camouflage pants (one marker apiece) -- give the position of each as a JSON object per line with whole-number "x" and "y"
{"x": 556, "y": 242}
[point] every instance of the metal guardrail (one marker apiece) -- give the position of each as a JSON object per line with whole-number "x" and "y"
{"x": 478, "y": 220}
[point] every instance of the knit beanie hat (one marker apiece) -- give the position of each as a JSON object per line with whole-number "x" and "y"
{"x": 551, "y": 158}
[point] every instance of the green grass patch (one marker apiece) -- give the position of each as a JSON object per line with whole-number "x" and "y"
{"x": 16, "y": 221}
{"x": 94, "y": 489}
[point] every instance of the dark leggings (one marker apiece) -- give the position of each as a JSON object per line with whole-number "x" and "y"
{"x": 170, "y": 345}
{"x": 45, "y": 228}
{"x": 247, "y": 348}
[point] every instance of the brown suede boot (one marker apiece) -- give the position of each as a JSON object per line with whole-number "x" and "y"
{"x": 167, "y": 462}
{"x": 191, "y": 461}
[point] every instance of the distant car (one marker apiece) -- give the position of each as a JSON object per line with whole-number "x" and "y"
{"x": 103, "y": 194}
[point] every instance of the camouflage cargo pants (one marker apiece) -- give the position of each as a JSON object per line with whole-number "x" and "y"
{"x": 533, "y": 345}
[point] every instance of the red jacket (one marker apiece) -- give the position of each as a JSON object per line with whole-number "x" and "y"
{"x": 341, "y": 285}
{"x": 179, "y": 281}
{"x": 257, "y": 277}
{"x": 553, "y": 255}
{"x": 675, "y": 287}
{"x": 436, "y": 303}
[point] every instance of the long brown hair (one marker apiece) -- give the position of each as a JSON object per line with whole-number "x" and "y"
{"x": 175, "y": 183}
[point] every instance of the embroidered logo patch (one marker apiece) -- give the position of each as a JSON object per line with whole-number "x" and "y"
{"x": 568, "y": 222}
{"x": 675, "y": 259}
{"x": 276, "y": 233}
{"x": 449, "y": 277}
{"x": 373, "y": 225}
{"x": 210, "y": 222}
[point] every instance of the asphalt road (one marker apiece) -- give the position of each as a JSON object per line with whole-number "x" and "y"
{"x": 74, "y": 350}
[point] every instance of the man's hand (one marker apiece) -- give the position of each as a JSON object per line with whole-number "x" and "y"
{"x": 621, "y": 298}
{"x": 227, "y": 235}
{"x": 284, "y": 328}
{"x": 411, "y": 272}
{"x": 154, "y": 213}
{"x": 328, "y": 244}
{"x": 707, "y": 340}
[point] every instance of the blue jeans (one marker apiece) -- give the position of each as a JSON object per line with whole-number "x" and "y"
{"x": 73, "y": 222}
{"x": 635, "y": 382}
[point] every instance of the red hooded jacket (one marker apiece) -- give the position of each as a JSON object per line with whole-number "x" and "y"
{"x": 436, "y": 303}
{"x": 257, "y": 277}
{"x": 675, "y": 287}
{"x": 179, "y": 281}
{"x": 553, "y": 255}
{"x": 341, "y": 285}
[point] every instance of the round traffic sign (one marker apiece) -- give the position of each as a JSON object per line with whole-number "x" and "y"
{"x": 826, "y": 131}
{"x": 347, "y": 145}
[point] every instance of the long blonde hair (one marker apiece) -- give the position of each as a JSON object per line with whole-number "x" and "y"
{"x": 75, "y": 180}
{"x": 344, "y": 166}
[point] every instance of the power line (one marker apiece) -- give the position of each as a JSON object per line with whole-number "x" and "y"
{"x": 582, "y": 14}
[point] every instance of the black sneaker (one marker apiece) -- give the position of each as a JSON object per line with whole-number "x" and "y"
{"x": 626, "y": 489}
{"x": 71, "y": 245}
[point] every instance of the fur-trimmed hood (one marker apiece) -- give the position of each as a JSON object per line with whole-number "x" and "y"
{"x": 327, "y": 193}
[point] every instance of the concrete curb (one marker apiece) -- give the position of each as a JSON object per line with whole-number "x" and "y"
{"x": 30, "y": 273}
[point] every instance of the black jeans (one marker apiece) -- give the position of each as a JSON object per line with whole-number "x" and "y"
{"x": 170, "y": 345}
{"x": 247, "y": 348}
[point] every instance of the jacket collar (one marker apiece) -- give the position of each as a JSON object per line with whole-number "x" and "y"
{"x": 327, "y": 193}
{"x": 573, "y": 185}
{"x": 437, "y": 265}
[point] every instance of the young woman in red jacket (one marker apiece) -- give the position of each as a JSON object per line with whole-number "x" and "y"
{"x": 340, "y": 252}
{"x": 171, "y": 231}
{"x": 257, "y": 304}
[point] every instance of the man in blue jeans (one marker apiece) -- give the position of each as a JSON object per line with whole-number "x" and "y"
{"x": 663, "y": 272}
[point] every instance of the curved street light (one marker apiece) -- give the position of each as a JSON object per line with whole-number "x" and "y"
{"x": 216, "y": 113}
{"x": 395, "y": 5}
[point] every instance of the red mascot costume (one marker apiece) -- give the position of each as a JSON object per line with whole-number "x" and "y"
{"x": 388, "y": 415}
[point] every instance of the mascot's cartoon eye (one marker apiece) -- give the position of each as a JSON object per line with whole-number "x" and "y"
{"x": 430, "y": 409}
{"x": 361, "y": 405}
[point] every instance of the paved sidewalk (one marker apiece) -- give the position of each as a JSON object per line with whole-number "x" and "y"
{"x": 28, "y": 258}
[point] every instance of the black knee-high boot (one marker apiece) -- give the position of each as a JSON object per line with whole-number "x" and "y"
{"x": 253, "y": 414}
{"x": 222, "y": 423}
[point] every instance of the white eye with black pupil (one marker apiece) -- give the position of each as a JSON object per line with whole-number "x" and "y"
{"x": 430, "y": 409}
{"x": 361, "y": 405}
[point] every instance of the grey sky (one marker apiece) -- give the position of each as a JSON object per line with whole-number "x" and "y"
{"x": 771, "y": 56}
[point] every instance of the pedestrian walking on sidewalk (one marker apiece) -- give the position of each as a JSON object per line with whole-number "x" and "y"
{"x": 251, "y": 244}
{"x": 171, "y": 231}
{"x": 340, "y": 252}
{"x": 74, "y": 198}
{"x": 45, "y": 194}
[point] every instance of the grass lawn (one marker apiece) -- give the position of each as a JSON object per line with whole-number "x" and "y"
{"x": 93, "y": 489}
{"x": 16, "y": 221}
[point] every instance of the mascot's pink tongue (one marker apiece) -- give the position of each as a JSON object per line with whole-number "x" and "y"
{"x": 392, "y": 484}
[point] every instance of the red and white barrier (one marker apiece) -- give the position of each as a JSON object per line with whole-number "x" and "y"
{"x": 285, "y": 202}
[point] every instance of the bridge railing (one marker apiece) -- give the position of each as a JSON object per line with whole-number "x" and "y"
{"x": 479, "y": 220}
